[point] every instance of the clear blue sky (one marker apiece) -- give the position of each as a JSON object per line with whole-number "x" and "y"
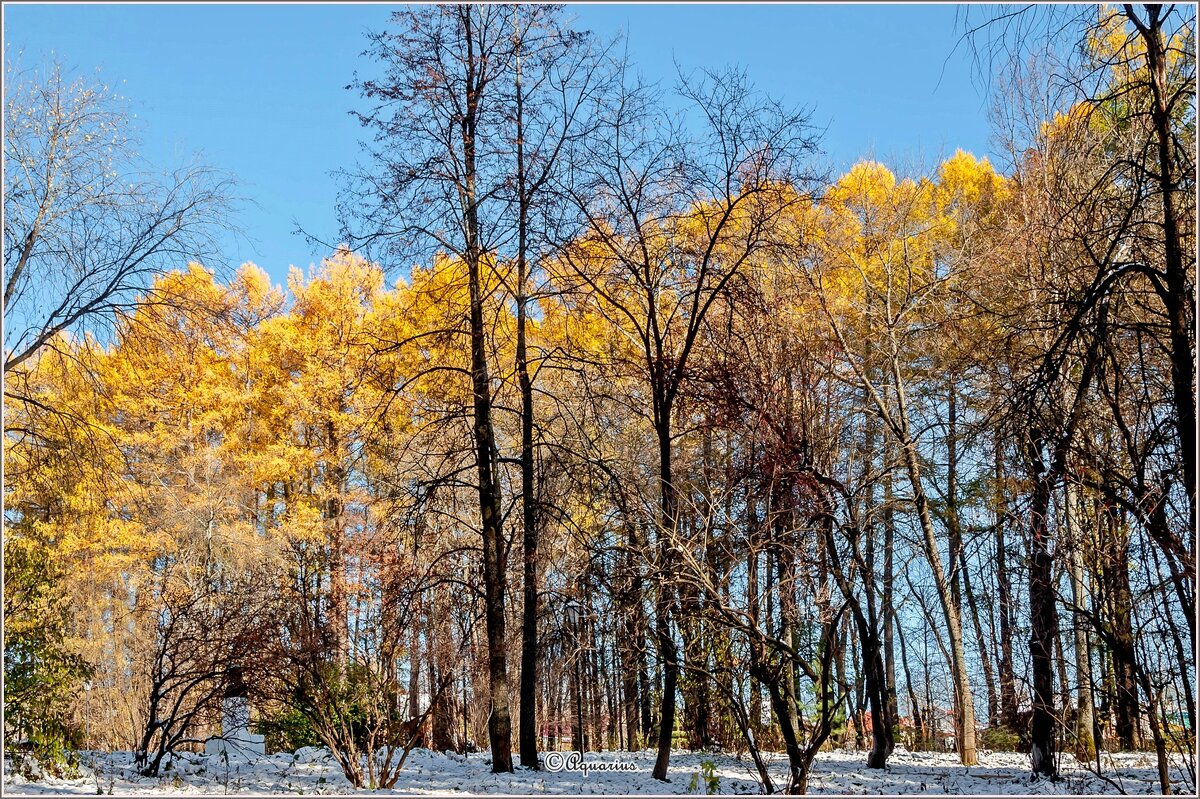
{"x": 258, "y": 90}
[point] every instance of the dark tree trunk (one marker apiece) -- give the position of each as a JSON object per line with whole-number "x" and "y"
{"x": 644, "y": 689}
{"x": 630, "y": 647}
{"x": 695, "y": 681}
{"x": 499, "y": 721}
{"x": 882, "y": 722}
{"x": 756, "y": 697}
{"x": 889, "y": 611}
{"x": 1043, "y": 618}
{"x": 529, "y": 613}
{"x": 1176, "y": 294}
{"x": 867, "y": 623}
{"x": 1124, "y": 657}
{"x": 667, "y": 653}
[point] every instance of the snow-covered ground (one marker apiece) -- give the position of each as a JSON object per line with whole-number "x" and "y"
{"x": 313, "y": 771}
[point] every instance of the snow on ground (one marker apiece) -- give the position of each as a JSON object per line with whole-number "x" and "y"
{"x": 313, "y": 771}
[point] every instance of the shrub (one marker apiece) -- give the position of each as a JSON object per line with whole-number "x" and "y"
{"x": 706, "y": 776}
{"x": 1001, "y": 739}
{"x": 286, "y": 731}
{"x": 41, "y": 677}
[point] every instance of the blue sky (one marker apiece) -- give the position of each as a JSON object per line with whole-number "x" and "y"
{"x": 258, "y": 90}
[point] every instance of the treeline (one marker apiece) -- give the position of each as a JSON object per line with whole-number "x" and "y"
{"x": 663, "y": 440}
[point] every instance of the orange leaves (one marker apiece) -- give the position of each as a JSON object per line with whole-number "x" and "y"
{"x": 868, "y": 184}
{"x": 254, "y": 298}
{"x": 968, "y": 181}
{"x": 895, "y": 255}
{"x": 877, "y": 234}
{"x": 875, "y": 223}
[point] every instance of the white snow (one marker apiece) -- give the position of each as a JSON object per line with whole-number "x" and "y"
{"x": 314, "y": 771}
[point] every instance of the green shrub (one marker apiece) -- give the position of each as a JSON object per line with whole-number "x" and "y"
{"x": 41, "y": 677}
{"x": 287, "y": 731}
{"x": 706, "y": 776}
{"x": 1001, "y": 739}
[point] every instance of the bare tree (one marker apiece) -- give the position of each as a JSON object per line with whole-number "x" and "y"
{"x": 439, "y": 170}
{"x": 355, "y": 700}
{"x": 1103, "y": 189}
{"x": 672, "y": 221}
{"x": 87, "y": 222}
{"x": 558, "y": 78}
{"x": 206, "y": 621}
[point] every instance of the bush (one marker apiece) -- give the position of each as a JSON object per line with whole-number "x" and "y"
{"x": 707, "y": 778}
{"x": 287, "y": 731}
{"x": 1001, "y": 739}
{"x": 41, "y": 678}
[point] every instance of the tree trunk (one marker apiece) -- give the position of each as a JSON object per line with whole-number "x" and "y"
{"x": 1126, "y": 700}
{"x": 1008, "y": 681}
{"x": 338, "y": 621}
{"x": 694, "y": 681}
{"x": 756, "y": 698}
{"x": 873, "y": 674}
{"x": 499, "y": 722}
{"x": 1043, "y": 618}
{"x": 529, "y": 614}
{"x": 889, "y": 611}
{"x": 920, "y": 734}
{"x": 629, "y": 646}
{"x": 662, "y": 624}
{"x": 882, "y": 722}
{"x": 958, "y": 555}
{"x": 1160, "y": 743}
{"x": 1177, "y": 296}
{"x": 1085, "y": 721}
{"x": 964, "y": 699}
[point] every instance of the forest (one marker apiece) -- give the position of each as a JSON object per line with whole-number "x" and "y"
{"x": 614, "y": 422}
